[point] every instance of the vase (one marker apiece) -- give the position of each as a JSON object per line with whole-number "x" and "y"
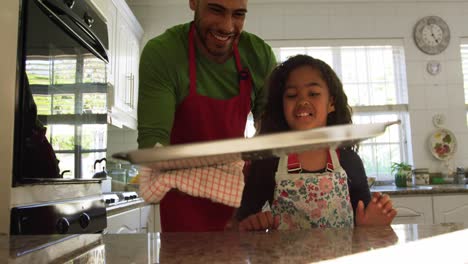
{"x": 400, "y": 178}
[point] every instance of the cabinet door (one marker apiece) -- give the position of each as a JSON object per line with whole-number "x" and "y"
{"x": 122, "y": 75}
{"x": 124, "y": 223}
{"x": 451, "y": 209}
{"x": 413, "y": 210}
{"x": 146, "y": 221}
{"x": 111, "y": 26}
{"x": 126, "y": 69}
{"x": 154, "y": 222}
{"x": 125, "y": 35}
{"x": 133, "y": 58}
{"x": 134, "y": 64}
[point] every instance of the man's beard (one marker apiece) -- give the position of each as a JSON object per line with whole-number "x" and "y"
{"x": 203, "y": 40}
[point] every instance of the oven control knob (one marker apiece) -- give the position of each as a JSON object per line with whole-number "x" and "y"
{"x": 89, "y": 20}
{"x": 84, "y": 220}
{"x": 62, "y": 225}
{"x": 69, "y": 3}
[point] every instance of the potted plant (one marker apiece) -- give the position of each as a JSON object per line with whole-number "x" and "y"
{"x": 401, "y": 171}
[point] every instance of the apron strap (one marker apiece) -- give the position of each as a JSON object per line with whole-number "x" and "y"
{"x": 335, "y": 161}
{"x": 237, "y": 57}
{"x": 292, "y": 164}
{"x": 283, "y": 164}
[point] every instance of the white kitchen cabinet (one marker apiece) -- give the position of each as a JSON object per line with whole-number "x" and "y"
{"x": 150, "y": 219}
{"x": 450, "y": 208}
{"x": 111, "y": 19}
{"x": 127, "y": 222}
{"x": 138, "y": 220}
{"x": 146, "y": 221}
{"x": 125, "y": 34}
{"x": 100, "y": 5}
{"x": 157, "y": 218}
{"x": 413, "y": 209}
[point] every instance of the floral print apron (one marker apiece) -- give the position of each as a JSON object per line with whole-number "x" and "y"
{"x": 309, "y": 200}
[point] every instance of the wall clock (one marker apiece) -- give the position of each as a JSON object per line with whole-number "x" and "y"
{"x": 431, "y": 35}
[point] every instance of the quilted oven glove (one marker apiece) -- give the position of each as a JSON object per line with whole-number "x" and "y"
{"x": 222, "y": 183}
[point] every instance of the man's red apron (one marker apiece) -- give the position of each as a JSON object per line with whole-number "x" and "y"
{"x": 201, "y": 118}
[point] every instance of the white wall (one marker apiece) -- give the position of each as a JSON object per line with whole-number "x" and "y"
{"x": 9, "y": 28}
{"x": 120, "y": 140}
{"x": 315, "y": 19}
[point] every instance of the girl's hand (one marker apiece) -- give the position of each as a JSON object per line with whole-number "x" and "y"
{"x": 258, "y": 221}
{"x": 383, "y": 202}
{"x": 378, "y": 212}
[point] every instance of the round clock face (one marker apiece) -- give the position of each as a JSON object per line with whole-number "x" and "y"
{"x": 432, "y": 35}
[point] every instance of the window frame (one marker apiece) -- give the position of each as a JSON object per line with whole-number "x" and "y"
{"x": 400, "y": 109}
{"x": 464, "y": 42}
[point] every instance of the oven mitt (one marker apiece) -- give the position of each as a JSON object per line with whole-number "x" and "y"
{"x": 223, "y": 183}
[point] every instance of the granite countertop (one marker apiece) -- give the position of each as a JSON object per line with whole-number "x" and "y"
{"x": 422, "y": 189}
{"x": 375, "y": 243}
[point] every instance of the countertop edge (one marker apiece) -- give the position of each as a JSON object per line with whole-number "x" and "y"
{"x": 422, "y": 189}
{"x": 138, "y": 203}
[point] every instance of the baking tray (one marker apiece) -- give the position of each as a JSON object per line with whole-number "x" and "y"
{"x": 207, "y": 153}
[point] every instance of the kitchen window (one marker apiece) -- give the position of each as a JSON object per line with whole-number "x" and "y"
{"x": 374, "y": 79}
{"x": 464, "y": 60}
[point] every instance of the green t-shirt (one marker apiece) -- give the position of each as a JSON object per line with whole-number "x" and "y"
{"x": 164, "y": 80}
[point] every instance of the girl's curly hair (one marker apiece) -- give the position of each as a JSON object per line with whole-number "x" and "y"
{"x": 273, "y": 119}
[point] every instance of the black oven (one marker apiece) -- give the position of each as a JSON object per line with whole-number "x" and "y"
{"x": 77, "y": 216}
{"x": 61, "y": 101}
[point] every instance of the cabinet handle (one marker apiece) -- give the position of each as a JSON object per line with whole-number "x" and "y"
{"x": 408, "y": 215}
{"x": 132, "y": 91}
{"x": 128, "y": 90}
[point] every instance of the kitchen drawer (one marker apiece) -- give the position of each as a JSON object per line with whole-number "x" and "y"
{"x": 413, "y": 209}
{"x": 146, "y": 219}
{"x": 124, "y": 223}
{"x": 451, "y": 209}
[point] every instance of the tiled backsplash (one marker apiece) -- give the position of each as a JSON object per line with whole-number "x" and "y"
{"x": 120, "y": 139}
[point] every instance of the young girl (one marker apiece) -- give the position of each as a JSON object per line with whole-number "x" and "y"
{"x": 317, "y": 188}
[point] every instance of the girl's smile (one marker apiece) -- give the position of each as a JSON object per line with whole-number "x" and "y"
{"x": 306, "y": 100}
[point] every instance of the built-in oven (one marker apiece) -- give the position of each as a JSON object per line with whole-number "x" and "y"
{"x": 61, "y": 106}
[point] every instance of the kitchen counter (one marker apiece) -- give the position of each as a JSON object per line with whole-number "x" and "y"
{"x": 421, "y": 189}
{"x": 445, "y": 242}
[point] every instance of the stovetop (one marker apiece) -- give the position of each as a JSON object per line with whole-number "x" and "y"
{"x": 113, "y": 199}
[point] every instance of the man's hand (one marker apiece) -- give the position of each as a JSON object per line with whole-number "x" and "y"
{"x": 378, "y": 212}
{"x": 258, "y": 221}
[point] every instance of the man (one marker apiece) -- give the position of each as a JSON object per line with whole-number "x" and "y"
{"x": 198, "y": 82}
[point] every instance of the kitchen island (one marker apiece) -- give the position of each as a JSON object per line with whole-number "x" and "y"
{"x": 429, "y": 243}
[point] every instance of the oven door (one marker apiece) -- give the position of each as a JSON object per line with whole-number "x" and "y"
{"x": 79, "y": 216}
{"x": 61, "y": 113}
